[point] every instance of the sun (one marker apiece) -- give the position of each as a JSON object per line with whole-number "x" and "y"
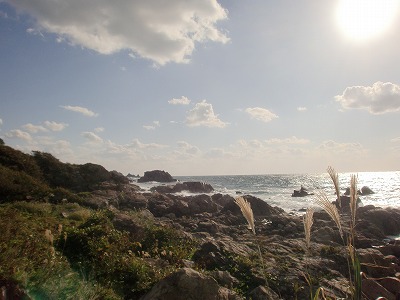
{"x": 365, "y": 19}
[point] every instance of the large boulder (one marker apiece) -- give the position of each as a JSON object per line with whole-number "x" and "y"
{"x": 156, "y": 175}
{"x": 260, "y": 207}
{"x": 189, "y": 284}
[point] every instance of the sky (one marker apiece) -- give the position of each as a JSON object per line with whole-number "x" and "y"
{"x": 203, "y": 87}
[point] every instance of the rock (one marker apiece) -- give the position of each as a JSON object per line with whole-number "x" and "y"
{"x": 225, "y": 278}
{"x": 263, "y": 293}
{"x": 392, "y": 284}
{"x": 189, "y": 284}
{"x": 191, "y": 186}
{"x": 260, "y": 207}
{"x": 374, "y": 263}
{"x": 366, "y": 191}
{"x": 156, "y": 175}
{"x": 372, "y": 290}
{"x": 387, "y": 220}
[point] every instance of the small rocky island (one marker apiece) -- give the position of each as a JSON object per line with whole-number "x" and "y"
{"x": 84, "y": 232}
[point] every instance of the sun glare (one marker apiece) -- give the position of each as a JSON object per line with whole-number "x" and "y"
{"x": 364, "y": 19}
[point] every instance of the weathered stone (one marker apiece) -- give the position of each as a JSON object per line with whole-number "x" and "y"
{"x": 156, "y": 175}
{"x": 392, "y": 284}
{"x": 189, "y": 284}
{"x": 263, "y": 293}
{"x": 372, "y": 290}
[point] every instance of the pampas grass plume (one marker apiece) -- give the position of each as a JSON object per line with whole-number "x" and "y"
{"x": 247, "y": 212}
{"x": 308, "y": 222}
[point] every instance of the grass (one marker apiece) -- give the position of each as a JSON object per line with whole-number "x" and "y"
{"x": 330, "y": 208}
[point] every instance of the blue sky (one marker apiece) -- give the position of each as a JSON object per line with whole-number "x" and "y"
{"x": 203, "y": 87}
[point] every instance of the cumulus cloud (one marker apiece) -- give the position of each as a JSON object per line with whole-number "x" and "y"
{"x": 153, "y": 126}
{"x": 137, "y": 144}
{"x": 34, "y": 128}
{"x": 188, "y": 148}
{"x": 290, "y": 140}
{"x": 302, "y": 108}
{"x": 261, "y": 114}
{"x": 82, "y": 110}
{"x": 92, "y": 137}
{"x": 99, "y": 129}
{"x": 54, "y": 126}
{"x": 380, "y": 98}
{"x": 203, "y": 115}
{"x": 183, "y": 101}
{"x": 162, "y": 31}
{"x": 336, "y": 147}
{"x": 19, "y": 134}
{"x": 48, "y": 125}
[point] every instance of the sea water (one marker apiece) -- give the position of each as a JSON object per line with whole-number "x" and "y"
{"x": 277, "y": 190}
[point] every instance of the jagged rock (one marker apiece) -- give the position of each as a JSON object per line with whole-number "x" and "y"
{"x": 386, "y": 220}
{"x": 260, "y": 207}
{"x": 375, "y": 264}
{"x": 392, "y": 284}
{"x": 263, "y": 293}
{"x": 156, "y": 175}
{"x": 366, "y": 191}
{"x": 372, "y": 290}
{"x": 190, "y": 186}
{"x": 189, "y": 284}
{"x": 225, "y": 278}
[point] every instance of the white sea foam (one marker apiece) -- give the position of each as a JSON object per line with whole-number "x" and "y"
{"x": 277, "y": 189}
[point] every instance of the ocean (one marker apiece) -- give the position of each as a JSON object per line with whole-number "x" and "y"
{"x": 276, "y": 190}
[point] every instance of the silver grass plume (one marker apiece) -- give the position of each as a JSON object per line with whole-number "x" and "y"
{"x": 330, "y": 208}
{"x": 335, "y": 179}
{"x": 353, "y": 199}
{"x": 247, "y": 212}
{"x": 308, "y": 222}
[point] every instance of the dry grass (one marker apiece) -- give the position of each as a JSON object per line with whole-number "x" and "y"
{"x": 353, "y": 200}
{"x": 335, "y": 179}
{"x": 323, "y": 201}
{"x": 308, "y": 222}
{"x": 247, "y": 212}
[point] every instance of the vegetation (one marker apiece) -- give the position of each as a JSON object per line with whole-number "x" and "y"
{"x": 55, "y": 247}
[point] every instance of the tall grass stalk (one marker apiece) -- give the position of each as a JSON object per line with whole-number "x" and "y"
{"x": 335, "y": 179}
{"x": 308, "y": 222}
{"x": 247, "y": 212}
{"x": 322, "y": 200}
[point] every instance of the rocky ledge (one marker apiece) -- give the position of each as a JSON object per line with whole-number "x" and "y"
{"x": 286, "y": 269}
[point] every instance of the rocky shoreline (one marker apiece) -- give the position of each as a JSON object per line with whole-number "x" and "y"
{"x": 219, "y": 226}
{"x": 159, "y": 244}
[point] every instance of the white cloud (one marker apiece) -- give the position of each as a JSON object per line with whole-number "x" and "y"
{"x": 183, "y": 101}
{"x": 335, "y": 147}
{"x": 162, "y": 31}
{"x": 395, "y": 140}
{"x": 99, "y": 129}
{"x": 152, "y": 127}
{"x": 137, "y": 144}
{"x": 203, "y": 115}
{"x": 51, "y": 125}
{"x": 54, "y": 126}
{"x": 19, "y": 134}
{"x": 34, "y": 128}
{"x": 261, "y": 114}
{"x": 188, "y": 148}
{"x": 379, "y": 98}
{"x": 290, "y": 140}
{"x": 302, "y": 108}
{"x": 81, "y": 110}
{"x": 92, "y": 137}
{"x": 1, "y": 122}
